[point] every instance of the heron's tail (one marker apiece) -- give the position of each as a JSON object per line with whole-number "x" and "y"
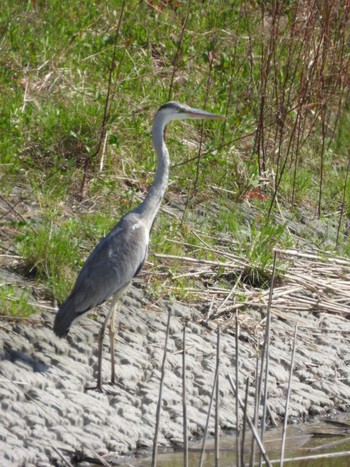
{"x": 64, "y": 318}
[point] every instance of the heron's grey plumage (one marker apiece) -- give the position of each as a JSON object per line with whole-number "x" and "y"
{"x": 118, "y": 257}
{"x": 110, "y": 267}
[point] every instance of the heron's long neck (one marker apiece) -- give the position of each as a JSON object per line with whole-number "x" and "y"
{"x": 150, "y": 206}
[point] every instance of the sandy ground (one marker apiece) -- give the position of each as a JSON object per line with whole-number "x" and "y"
{"x": 47, "y": 418}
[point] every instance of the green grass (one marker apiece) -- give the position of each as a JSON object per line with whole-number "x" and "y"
{"x": 54, "y": 66}
{"x": 14, "y": 303}
{"x": 255, "y": 241}
{"x": 53, "y": 251}
{"x": 51, "y": 254}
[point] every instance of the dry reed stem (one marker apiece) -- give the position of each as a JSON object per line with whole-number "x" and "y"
{"x": 251, "y": 425}
{"x": 177, "y": 54}
{"x": 101, "y": 460}
{"x": 201, "y": 460}
{"x": 238, "y": 457}
{"x": 184, "y": 398}
{"x": 342, "y": 204}
{"x": 159, "y": 404}
{"x": 265, "y": 356}
{"x": 284, "y": 429}
{"x": 313, "y": 283}
{"x": 332, "y": 455}
{"x": 217, "y": 400}
{"x": 244, "y": 424}
{"x": 331, "y": 445}
{"x": 109, "y": 97}
{"x": 58, "y": 452}
{"x": 256, "y": 413}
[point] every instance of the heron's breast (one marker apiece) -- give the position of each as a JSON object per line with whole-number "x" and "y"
{"x": 140, "y": 232}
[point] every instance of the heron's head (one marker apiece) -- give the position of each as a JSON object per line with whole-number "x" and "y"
{"x": 175, "y": 111}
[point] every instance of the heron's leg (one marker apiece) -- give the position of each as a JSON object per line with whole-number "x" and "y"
{"x": 110, "y": 316}
{"x": 101, "y": 336}
{"x": 112, "y": 329}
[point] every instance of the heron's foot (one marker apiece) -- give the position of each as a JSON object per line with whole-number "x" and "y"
{"x": 99, "y": 387}
{"x": 113, "y": 381}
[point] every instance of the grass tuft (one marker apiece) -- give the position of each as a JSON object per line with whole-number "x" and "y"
{"x": 14, "y": 303}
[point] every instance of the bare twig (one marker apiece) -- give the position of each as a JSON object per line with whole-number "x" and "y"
{"x": 332, "y": 455}
{"x": 256, "y": 410}
{"x": 179, "y": 45}
{"x": 109, "y": 95}
{"x": 12, "y": 208}
{"x": 244, "y": 424}
{"x": 251, "y": 425}
{"x": 103, "y": 152}
{"x": 266, "y": 348}
{"x": 201, "y": 460}
{"x": 159, "y": 404}
{"x": 284, "y": 430}
{"x": 58, "y": 452}
{"x": 217, "y": 400}
{"x": 184, "y": 398}
{"x": 342, "y": 206}
{"x": 238, "y": 457}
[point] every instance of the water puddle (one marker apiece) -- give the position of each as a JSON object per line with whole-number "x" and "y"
{"x": 309, "y": 439}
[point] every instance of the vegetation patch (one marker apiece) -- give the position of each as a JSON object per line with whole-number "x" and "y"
{"x": 79, "y": 85}
{"x": 14, "y": 303}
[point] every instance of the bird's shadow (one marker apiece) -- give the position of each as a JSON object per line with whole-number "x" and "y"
{"x": 16, "y": 355}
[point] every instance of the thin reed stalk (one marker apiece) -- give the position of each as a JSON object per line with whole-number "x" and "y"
{"x": 207, "y": 89}
{"x": 110, "y": 94}
{"x": 284, "y": 430}
{"x": 342, "y": 206}
{"x": 331, "y": 455}
{"x": 251, "y": 425}
{"x": 201, "y": 460}
{"x": 322, "y": 156}
{"x": 159, "y": 404}
{"x": 66, "y": 462}
{"x": 297, "y": 153}
{"x": 209, "y": 81}
{"x": 179, "y": 46}
{"x": 229, "y": 91}
{"x": 244, "y": 424}
{"x": 199, "y": 155}
{"x": 266, "y": 350}
{"x": 256, "y": 410}
{"x": 217, "y": 400}
{"x": 184, "y": 398}
{"x": 238, "y": 457}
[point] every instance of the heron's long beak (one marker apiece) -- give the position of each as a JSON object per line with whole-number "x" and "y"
{"x": 203, "y": 115}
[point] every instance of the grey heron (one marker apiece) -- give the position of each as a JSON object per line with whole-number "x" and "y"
{"x": 119, "y": 257}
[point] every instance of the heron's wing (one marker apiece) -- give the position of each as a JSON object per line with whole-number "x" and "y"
{"x": 112, "y": 264}
{"x": 110, "y": 267}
